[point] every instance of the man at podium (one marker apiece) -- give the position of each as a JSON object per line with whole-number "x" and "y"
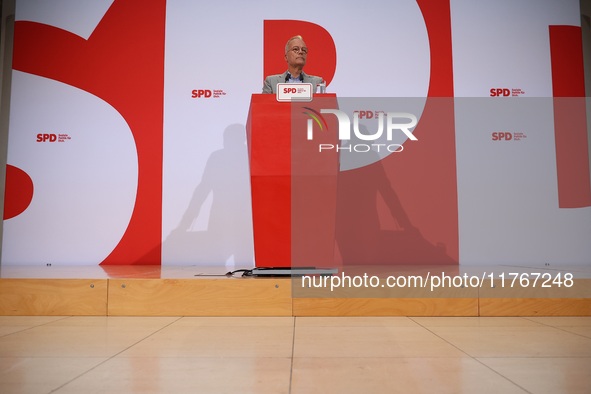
{"x": 296, "y": 54}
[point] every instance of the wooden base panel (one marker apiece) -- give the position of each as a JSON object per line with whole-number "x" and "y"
{"x": 535, "y": 307}
{"x": 245, "y": 297}
{"x": 53, "y": 297}
{"x": 203, "y": 291}
{"x": 385, "y": 307}
{"x": 203, "y": 297}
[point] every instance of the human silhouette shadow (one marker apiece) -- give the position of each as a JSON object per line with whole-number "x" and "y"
{"x": 229, "y": 227}
{"x": 372, "y": 226}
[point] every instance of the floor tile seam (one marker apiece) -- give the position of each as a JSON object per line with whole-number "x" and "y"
{"x": 359, "y": 326}
{"x": 178, "y": 327}
{"x": 293, "y": 339}
{"x": 543, "y": 328}
{"x": 197, "y": 357}
{"x": 526, "y": 318}
{"x": 562, "y": 328}
{"x": 368, "y": 327}
{"x": 443, "y": 339}
{"x": 535, "y": 357}
{"x": 501, "y": 375}
{"x": 57, "y": 357}
{"x": 113, "y": 356}
{"x": 576, "y": 334}
{"x": 473, "y": 357}
{"x": 531, "y": 318}
{"x": 423, "y": 330}
{"x": 385, "y": 357}
{"x": 27, "y": 328}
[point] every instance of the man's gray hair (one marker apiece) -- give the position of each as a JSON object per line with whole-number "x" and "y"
{"x": 290, "y": 40}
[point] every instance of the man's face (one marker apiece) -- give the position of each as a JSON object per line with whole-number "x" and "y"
{"x": 297, "y": 53}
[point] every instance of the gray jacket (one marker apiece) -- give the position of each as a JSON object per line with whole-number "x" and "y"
{"x": 271, "y": 81}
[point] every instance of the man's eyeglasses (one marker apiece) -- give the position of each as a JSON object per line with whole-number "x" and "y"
{"x": 304, "y": 50}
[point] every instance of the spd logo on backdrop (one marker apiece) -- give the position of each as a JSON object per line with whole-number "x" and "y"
{"x": 52, "y": 137}
{"x": 207, "y": 93}
{"x": 507, "y": 136}
{"x": 506, "y": 92}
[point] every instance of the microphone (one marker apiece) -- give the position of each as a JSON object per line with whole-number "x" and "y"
{"x": 302, "y": 77}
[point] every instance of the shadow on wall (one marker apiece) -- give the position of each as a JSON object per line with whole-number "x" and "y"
{"x": 226, "y": 239}
{"x": 372, "y": 226}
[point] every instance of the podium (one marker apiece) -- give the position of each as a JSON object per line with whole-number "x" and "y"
{"x": 293, "y": 181}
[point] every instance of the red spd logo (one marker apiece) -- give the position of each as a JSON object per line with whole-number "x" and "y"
{"x": 500, "y": 92}
{"x": 506, "y": 92}
{"x": 201, "y": 93}
{"x": 46, "y": 137}
{"x": 508, "y": 136}
{"x": 293, "y": 90}
{"x": 51, "y": 137}
{"x": 502, "y": 136}
{"x": 367, "y": 114}
{"x": 207, "y": 93}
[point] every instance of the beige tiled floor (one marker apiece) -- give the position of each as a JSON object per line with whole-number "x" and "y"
{"x": 294, "y": 355}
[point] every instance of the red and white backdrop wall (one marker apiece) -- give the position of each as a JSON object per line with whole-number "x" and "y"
{"x": 127, "y": 145}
